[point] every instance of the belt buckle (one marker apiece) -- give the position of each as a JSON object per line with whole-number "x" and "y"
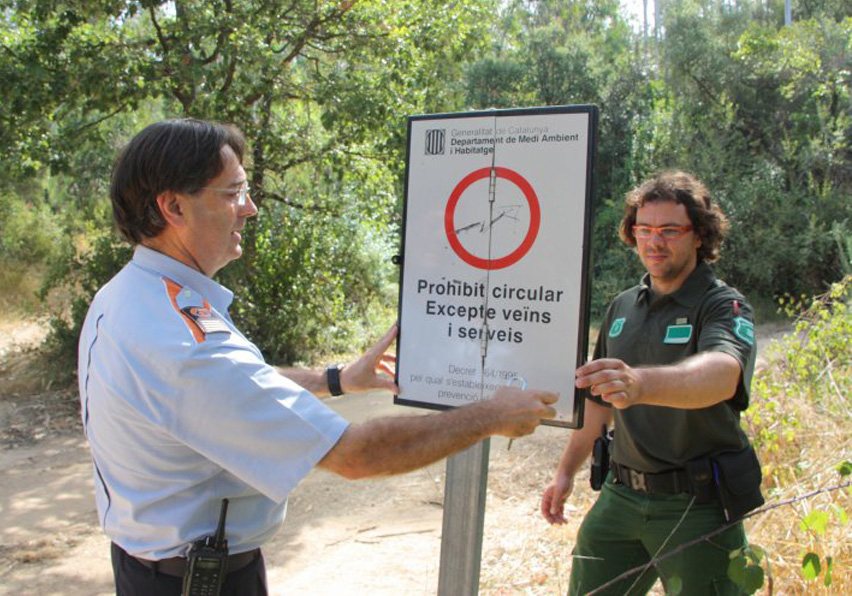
{"x": 637, "y": 481}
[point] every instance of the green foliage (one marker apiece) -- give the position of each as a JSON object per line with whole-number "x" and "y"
{"x": 814, "y": 363}
{"x": 79, "y": 276}
{"x": 29, "y": 230}
{"x": 842, "y": 235}
{"x": 674, "y": 586}
{"x": 791, "y": 226}
{"x": 321, "y": 90}
{"x": 818, "y": 358}
{"x": 816, "y": 521}
{"x": 745, "y": 568}
{"x": 811, "y": 566}
{"x": 811, "y": 366}
{"x": 761, "y": 112}
{"x": 315, "y": 290}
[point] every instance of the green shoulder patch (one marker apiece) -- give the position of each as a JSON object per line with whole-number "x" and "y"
{"x": 744, "y": 329}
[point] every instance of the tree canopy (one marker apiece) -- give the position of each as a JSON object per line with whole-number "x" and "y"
{"x": 759, "y": 110}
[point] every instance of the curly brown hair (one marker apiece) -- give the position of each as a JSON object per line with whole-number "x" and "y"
{"x": 707, "y": 218}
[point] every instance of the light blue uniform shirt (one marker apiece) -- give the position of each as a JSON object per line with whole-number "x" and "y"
{"x": 181, "y": 411}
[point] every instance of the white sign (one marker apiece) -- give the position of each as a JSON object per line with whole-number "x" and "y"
{"x": 495, "y": 255}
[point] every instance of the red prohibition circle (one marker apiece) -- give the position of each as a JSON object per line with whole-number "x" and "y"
{"x": 535, "y": 219}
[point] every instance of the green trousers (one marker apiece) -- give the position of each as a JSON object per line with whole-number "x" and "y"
{"x": 625, "y": 529}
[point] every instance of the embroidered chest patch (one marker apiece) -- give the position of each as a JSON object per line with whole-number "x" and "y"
{"x": 617, "y": 327}
{"x": 678, "y": 334}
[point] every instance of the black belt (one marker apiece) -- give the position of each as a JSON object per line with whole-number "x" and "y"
{"x": 176, "y": 566}
{"x": 670, "y": 483}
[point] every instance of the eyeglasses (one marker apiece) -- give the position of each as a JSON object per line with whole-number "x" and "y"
{"x": 664, "y": 232}
{"x": 241, "y": 192}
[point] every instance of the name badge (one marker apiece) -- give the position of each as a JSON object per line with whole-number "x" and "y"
{"x": 678, "y": 334}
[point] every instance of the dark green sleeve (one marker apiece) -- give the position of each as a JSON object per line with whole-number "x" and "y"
{"x": 727, "y": 325}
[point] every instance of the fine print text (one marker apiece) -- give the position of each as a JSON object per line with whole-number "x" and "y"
{"x": 482, "y": 140}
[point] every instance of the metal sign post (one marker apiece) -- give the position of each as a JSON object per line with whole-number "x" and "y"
{"x": 464, "y": 517}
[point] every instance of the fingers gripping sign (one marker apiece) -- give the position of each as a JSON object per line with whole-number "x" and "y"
{"x": 521, "y": 411}
{"x": 614, "y": 381}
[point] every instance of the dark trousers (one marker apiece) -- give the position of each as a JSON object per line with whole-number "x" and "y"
{"x": 625, "y": 529}
{"x": 132, "y": 578}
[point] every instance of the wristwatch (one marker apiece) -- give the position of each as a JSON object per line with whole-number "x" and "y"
{"x": 332, "y": 374}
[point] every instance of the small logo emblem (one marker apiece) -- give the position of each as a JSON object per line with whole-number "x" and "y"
{"x": 435, "y": 141}
{"x": 617, "y": 327}
{"x": 744, "y": 329}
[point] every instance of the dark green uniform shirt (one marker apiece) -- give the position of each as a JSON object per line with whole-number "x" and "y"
{"x": 703, "y": 315}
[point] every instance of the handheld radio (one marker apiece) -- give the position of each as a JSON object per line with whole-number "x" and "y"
{"x": 207, "y": 562}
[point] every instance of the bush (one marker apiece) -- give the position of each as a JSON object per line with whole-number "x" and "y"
{"x": 799, "y": 423}
{"x": 313, "y": 285}
{"x": 301, "y": 291}
{"x": 782, "y": 240}
{"x": 29, "y": 230}
{"x": 30, "y": 234}
{"x": 80, "y": 276}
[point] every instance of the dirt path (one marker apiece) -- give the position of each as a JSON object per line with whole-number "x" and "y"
{"x": 370, "y": 537}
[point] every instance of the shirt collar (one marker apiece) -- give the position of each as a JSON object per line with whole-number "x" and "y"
{"x": 690, "y": 291}
{"x": 218, "y": 295}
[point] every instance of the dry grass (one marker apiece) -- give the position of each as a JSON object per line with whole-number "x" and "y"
{"x": 19, "y": 286}
{"x": 799, "y": 456}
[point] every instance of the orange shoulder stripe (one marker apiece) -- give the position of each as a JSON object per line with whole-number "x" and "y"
{"x": 173, "y": 290}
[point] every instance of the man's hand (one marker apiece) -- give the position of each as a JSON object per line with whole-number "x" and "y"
{"x": 554, "y": 497}
{"x": 700, "y": 381}
{"x": 518, "y": 412}
{"x": 365, "y": 373}
{"x": 614, "y": 381}
{"x": 398, "y": 444}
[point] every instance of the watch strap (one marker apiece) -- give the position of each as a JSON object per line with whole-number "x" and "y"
{"x": 332, "y": 374}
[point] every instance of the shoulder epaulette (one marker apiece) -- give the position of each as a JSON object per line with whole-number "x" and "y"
{"x": 195, "y": 311}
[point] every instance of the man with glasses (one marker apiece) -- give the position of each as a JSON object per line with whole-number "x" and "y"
{"x": 184, "y": 418}
{"x": 672, "y": 367}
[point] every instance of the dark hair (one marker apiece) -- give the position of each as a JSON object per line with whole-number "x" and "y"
{"x": 178, "y": 155}
{"x": 707, "y": 218}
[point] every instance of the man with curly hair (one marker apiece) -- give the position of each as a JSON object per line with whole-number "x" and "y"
{"x": 672, "y": 368}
